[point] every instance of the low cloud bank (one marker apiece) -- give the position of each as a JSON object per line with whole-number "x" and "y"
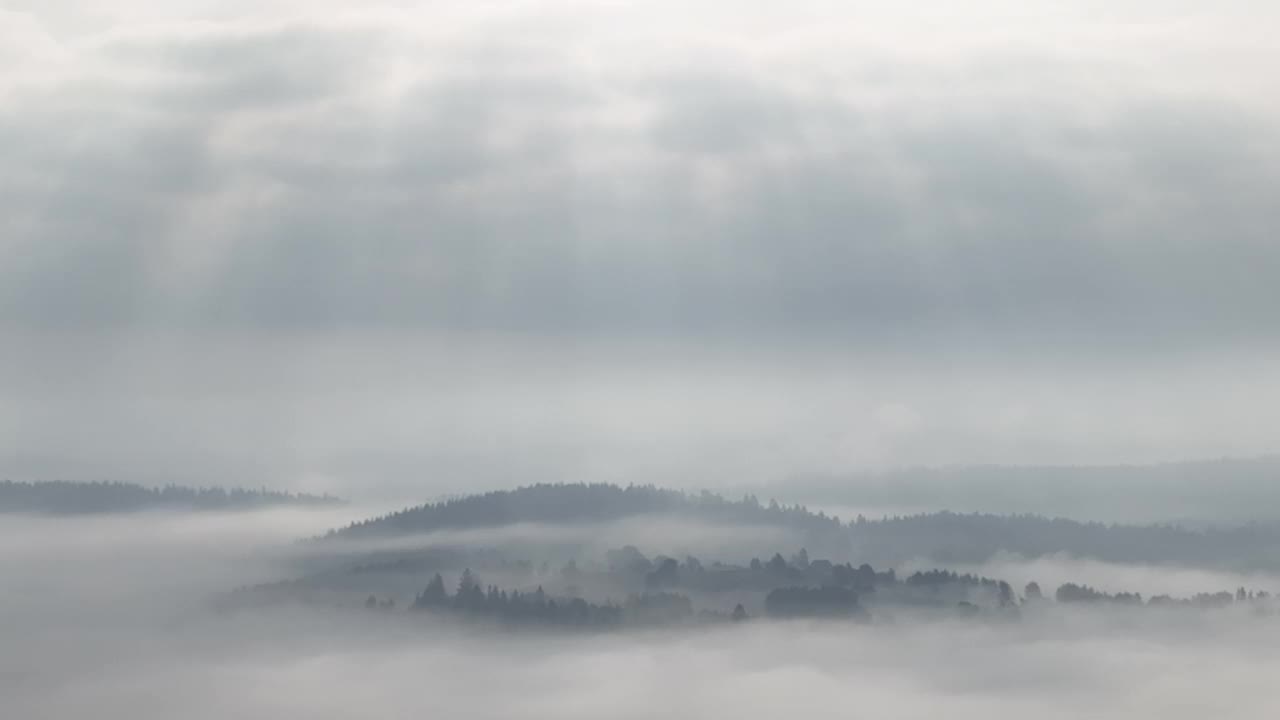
{"x": 347, "y": 665}
{"x": 116, "y": 627}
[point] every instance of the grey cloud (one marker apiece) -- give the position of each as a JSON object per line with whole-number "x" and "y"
{"x": 470, "y": 204}
{"x": 180, "y": 191}
{"x": 728, "y": 112}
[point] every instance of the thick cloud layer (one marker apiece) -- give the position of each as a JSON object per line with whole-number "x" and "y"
{"x": 219, "y": 221}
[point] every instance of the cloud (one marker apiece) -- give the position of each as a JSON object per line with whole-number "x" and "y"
{"x": 261, "y": 188}
{"x": 516, "y": 176}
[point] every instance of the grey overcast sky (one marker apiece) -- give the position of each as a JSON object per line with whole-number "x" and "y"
{"x": 406, "y": 248}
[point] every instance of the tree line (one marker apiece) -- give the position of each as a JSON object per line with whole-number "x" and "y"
{"x": 797, "y": 588}
{"x": 72, "y": 498}
{"x": 944, "y": 537}
{"x": 530, "y": 607}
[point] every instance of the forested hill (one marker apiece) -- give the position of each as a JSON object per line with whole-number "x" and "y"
{"x": 944, "y": 537}
{"x": 561, "y": 504}
{"x": 79, "y": 498}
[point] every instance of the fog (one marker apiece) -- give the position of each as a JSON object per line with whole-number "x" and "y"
{"x": 111, "y": 640}
{"x": 1094, "y": 669}
{"x": 151, "y": 565}
{"x": 666, "y": 535}
{"x": 396, "y": 421}
{"x": 999, "y": 256}
{"x": 1149, "y": 580}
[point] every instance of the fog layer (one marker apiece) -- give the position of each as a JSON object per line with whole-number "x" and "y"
{"x": 120, "y": 627}
{"x": 156, "y": 652}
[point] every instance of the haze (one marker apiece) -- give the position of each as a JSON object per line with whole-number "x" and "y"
{"x": 814, "y": 358}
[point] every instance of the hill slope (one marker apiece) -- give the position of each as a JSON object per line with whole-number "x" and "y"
{"x": 944, "y": 536}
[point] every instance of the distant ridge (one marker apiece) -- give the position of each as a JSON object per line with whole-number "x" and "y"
{"x": 945, "y": 537}
{"x": 1218, "y": 490}
{"x": 84, "y": 498}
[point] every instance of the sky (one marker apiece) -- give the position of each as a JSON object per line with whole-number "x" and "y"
{"x": 394, "y": 249}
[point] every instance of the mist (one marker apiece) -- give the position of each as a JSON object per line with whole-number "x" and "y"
{"x": 962, "y": 672}
{"x": 391, "y": 421}
{"x": 1149, "y": 580}
{"x": 594, "y": 358}
{"x": 112, "y": 640}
